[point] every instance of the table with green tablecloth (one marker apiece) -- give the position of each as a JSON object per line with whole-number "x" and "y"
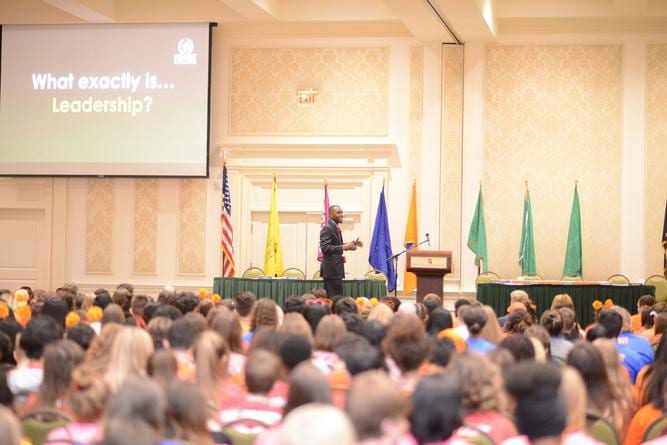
{"x": 497, "y": 295}
{"x": 278, "y": 289}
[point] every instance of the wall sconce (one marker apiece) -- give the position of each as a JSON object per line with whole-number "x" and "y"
{"x": 306, "y": 97}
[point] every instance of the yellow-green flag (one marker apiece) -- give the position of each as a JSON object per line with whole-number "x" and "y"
{"x": 273, "y": 255}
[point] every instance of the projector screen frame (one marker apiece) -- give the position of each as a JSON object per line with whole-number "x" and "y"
{"x": 211, "y": 25}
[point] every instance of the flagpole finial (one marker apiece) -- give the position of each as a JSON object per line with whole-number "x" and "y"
{"x": 526, "y": 184}
{"x": 383, "y": 182}
{"x": 576, "y": 182}
{"x": 325, "y": 181}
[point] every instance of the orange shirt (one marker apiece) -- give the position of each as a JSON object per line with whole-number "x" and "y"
{"x": 636, "y": 323}
{"x": 640, "y": 422}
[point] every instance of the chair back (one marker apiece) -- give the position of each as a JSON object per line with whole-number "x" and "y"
{"x": 618, "y": 278}
{"x": 571, "y": 278}
{"x": 376, "y": 274}
{"x": 601, "y": 429}
{"x": 252, "y": 272}
{"x": 473, "y": 435}
{"x": 37, "y": 425}
{"x": 535, "y": 277}
{"x": 660, "y": 284}
{"x": 486, "y": 277}
{"x": 317, "y": 275}
{"x": 294, "y": 272}
{"x": 244, "y": 431}
{"x": 657, "y": 428}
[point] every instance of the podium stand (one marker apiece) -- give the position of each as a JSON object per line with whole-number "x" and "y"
{"x": 430, "y": 266}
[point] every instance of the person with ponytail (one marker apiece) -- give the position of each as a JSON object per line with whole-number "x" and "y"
{"x": 475, "y": 318}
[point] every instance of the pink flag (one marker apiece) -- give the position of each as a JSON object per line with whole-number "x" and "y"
{"x": 325, "y": 217}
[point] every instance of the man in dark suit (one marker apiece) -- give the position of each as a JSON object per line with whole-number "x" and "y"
{"x": 332, "y": 246}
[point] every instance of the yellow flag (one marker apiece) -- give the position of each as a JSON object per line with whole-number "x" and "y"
{"x": 411, "y": 233}
{"x": 273, "y": 255}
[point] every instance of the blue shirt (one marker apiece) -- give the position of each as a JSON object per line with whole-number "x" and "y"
{"x": 631, "y": 360}
{"x": 480, "y": 345}
{"x": 639, "y": 344}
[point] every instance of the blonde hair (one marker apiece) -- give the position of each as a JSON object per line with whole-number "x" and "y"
{"x": 491, "y": 331}
{"x": 562, "y": 300}
{"x": 623, "y": 401}
{"x": 573, "y": 391}
{"x": 129, "y": 356}
{"x": 211, "y": 354}
{"x": 381, "y": 313}
{"x": 98, "y": 354}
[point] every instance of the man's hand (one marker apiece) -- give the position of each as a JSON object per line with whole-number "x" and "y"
{"x": 350, "y": 246}
{"x": 358, "y": 243}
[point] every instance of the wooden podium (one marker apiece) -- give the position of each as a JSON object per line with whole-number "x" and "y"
{"x": 430, "y": 266}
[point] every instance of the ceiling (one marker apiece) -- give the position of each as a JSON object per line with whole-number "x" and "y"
{"x": 428, "y": 20}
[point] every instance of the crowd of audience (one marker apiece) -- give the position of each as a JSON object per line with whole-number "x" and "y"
{"x": 187, "y": 368}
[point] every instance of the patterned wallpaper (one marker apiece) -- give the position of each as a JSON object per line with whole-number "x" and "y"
{"x": 145, "y": 225}
{"x": 416, "y": 112}
{"x": 553, "y": 115}
{"x": 192, "y": 227}
{"x": 655, "y": 184}
{"x": 353, "y": 86}
{"x": 452, "y": 147}
{"x": 99, "y": 223}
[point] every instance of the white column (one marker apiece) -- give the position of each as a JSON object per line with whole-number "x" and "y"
{"x": 632, "y": 174}
{"x": 473, "y": 152}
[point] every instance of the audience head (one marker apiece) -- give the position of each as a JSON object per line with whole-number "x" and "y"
{"x": 113, "y": 314}
{"x": 458, "y": 304}
{"x": 261, "y": 371}
{"x": 317, "y": 423}
{"x": 612, "y": 322}
{"x": 183, "y": 333}
{"x": 314, "y": 311}
{"x": 228, "y": 325}
{"x": 307, "y": 384}
{"x": 137, "y": 410}
{"x": 382, "y": 313}
{"x": 520, "y": 347}
{"x": 436, "y": 408}
{"x": 475, "y": 318}
{"x": 129, "y": 356}
{"x": 377, "y": 407}
{"x": 163, "y": 367}
{"x": 39, "y": 332}
{"x": 480, "y": 382}
{"x": 561, "y": 301}
{"x": 294, "y": 303}
{"x": 405, "y": 342}
{"x": 552, "y": 322}
{"x": 359, "y": 356}
{"x": 540, "y": 411}
{"x": 187, "y": 414}
{"x": 439, "y": 319}
{"x": 329, "y": 332}
{"x": 432, "y": 302}
{"x": 518, "y": 321}
{"x": 244, "y": 302}
{"x": 295, "y": 350}
{"x": 102, "y": 298}
{"x": 82, "y": 334}
{"x": 264, "y": 314}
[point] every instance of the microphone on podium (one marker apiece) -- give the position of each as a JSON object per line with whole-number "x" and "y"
{"x": 428, "y": 240}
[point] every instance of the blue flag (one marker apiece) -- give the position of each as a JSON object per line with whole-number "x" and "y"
{"x": 380, "y": 251}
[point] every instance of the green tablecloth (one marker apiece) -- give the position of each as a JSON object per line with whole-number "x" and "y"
{"x": 279, "y": 289}
{"x": 497, "y": 295}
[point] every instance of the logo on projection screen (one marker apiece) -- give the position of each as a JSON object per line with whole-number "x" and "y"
{"x": 184, "y": 56}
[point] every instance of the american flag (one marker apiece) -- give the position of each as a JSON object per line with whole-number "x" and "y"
{"x": 228, "y": 266}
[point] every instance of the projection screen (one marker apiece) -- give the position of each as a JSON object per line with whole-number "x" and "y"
{"x": 105, "y": 99}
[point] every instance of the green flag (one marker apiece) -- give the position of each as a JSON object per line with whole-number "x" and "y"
{"x": 573, "y": 265}
{"x": 477, "y": 235}
{"x": 527, "y": 249}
